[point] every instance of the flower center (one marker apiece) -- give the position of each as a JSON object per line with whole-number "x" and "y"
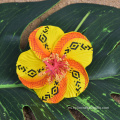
{"x": 56, "y": 67}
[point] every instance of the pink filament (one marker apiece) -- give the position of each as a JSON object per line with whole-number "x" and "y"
{"x": 56, "y": 67}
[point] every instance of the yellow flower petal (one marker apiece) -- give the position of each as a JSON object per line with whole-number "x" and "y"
{"x": 54, "y": 92}
{"x": 42, "y": 39}
{"x": 28, "y": 68}
{"x": 76, "y": 46}
{"x": 77, "y": 79}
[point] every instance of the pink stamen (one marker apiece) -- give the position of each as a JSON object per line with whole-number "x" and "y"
{"x": 56, "y": 67}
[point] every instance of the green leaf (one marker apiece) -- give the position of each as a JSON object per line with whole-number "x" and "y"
{"x": 102, "y": 28}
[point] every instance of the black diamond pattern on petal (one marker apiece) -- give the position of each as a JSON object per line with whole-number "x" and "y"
{"x": 74, "y": 45}
{"x": 42, "y": 38}
{"x": 54, "y": 90}
{"x": 32, "y": 73}
{"x": 75, "y": 74}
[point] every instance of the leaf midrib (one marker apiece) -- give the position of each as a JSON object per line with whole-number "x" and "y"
{"x": 11, "y": 86}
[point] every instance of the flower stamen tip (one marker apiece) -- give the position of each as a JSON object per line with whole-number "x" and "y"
{"x": 56, "y": 67}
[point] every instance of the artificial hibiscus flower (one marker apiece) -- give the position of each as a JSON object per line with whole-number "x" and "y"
{"x": 54, "y": 67}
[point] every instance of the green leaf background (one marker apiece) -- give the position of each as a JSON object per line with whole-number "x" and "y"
{"x": 102, "y": 28}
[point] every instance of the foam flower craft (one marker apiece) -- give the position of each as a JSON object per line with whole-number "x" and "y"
{"x": 54, "y": 67}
